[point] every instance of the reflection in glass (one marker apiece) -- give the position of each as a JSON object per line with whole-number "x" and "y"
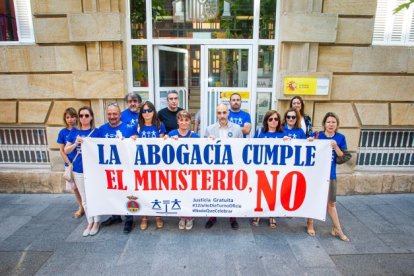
{"x": 172, "y": 70}
{"x": 265, "y": 66}
{"x": 206, "y": 19}
{"x": 267, "y": 19}
{"x": 263, "y": 104}
{"x": 137, "y": 15}
{"x": 228, "y": 67}
{"x": 139, "y": 66}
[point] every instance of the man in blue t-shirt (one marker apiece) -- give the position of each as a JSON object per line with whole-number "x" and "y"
{"x": 115, "y": 128}
{"x": 238, "y": 116}
{"x": 130, "y": 115}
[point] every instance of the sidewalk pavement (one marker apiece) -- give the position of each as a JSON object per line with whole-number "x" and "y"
{"x": 39, "y": 236}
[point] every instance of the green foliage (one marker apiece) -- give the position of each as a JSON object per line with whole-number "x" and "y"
{"x": 403, "y": 6}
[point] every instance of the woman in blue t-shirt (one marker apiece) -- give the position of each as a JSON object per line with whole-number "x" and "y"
{"x": 184, "y": 131}
{"x": 149, "y": 126}
{"x": 292, "y": 128}
{"x": 330, "y": 125}
{"x": 70, "y": 119}
{"x": 272, "y": 128}
{"x": 75, "y": 139}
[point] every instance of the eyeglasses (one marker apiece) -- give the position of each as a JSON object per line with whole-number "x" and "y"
{"x": 290, "y": 117}
{"x": 84, "y": 115}
{"x": 113, "y": 104}
{"x": 273, "y": 118}
{"x": 149, "y": 110}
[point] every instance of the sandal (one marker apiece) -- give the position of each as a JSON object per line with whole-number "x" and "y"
{"x": 272, "y": 223}
{"x": 336, "y": 233}
{"x": 255, "y": 221}
{"x": 310, "y": 229}
{"x": 144, "y": 224}
{"x": 159, "y": 223}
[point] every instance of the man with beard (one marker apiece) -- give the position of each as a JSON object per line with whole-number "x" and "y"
{"x": 130, "y": 114}
{"x": 223, "y": 128}
{"x": 115, "y": 128}
{"x": 239, "y": 116}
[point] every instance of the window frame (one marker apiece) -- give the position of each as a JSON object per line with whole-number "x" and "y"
{"x": 24, "y": 23}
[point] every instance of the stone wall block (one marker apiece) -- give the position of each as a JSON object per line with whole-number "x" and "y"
{"x": 368, "y": 184}
{"x": 373, "y": 114}
{"x": 36, "y": 86}
{"x": 100, "y": 27}
{"x": 93, "y": 50}
{"x": 118, "y": 53}
{"x": 350, "y": 7}
{"x": 355, "y": 30}
{"x": 380, "y": 59}
{"x": 335, "y": 59}
{"x": 402, "y": 183}
{"x": 294, "y": 57}
{"x": 52, "y": 135}
{"x": 70, "y": 58}
{"x": 8, "y": 112}
{"x": 346, "y": 184}
{"x": 375, "y": 88}
{"x": 402, "y": 114}
{"x": 97, "y": 85}
{"x": 51, "y": 30}
{"x": 410, "y": 61}
{"x": 35, "y": 58}
{"x": 344, "y": 111}
{"x": 45, "y": 7}
{"x": 107, "y": 50}
{"x": 56, "y": 113}
{"x": 33, "y": 112}
{"x": 387, "y": 183}
{"x": 56, "y": 162}
{"x": 3, "y": 59}
{"x": 302, "y": 27}
{"x": 104, "y": 5}
{"x": 115, "y": 6}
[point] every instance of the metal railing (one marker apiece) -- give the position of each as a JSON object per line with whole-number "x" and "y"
{"x": 23, "y": 145}
{"x": 385, "y": 148}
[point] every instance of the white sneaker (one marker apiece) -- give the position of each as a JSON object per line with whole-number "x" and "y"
{"x": 181, "y": 224}
{"x": 189, "y": 224}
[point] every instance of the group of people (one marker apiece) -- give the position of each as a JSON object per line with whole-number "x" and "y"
{"x": 141, "y": 120}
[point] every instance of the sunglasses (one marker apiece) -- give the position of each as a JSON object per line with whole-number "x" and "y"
{"x": 271, "y": 119}
{"x": 290, "y": 117}
{"x": 113, "y": 104}
{"x": 149, "y": 110}
{"x": 84, "y": 115}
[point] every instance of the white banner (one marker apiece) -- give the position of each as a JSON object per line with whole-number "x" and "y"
{"x": 207, "y": 178}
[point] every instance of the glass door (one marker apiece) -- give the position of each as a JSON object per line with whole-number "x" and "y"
{"x": 225, "y": 69}
{"x": 171, "y": 73}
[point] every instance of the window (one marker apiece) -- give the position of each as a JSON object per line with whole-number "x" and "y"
{"x": 23, "y": 146}
{"x": 16, "y": 21}
{"x": 379, "y": 148}
{"x": 393, "y": 29}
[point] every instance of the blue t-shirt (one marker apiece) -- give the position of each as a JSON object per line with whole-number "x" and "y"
{"x": 151, "y": 131}
{"x": 130, "y": 118}
{"x": 261, "y": 134}
{"x": 239, "y": 118}
{"x": 62, "y": 139}
{"x": 106, "y": 131}
{"x": 340, "y": 141}
{"x": 190, "y": 134}
{"x": 74, "y": 133}
{"x": 294, "y": 133}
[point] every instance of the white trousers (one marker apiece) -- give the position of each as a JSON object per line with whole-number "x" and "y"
{"x": 80, "y": 183}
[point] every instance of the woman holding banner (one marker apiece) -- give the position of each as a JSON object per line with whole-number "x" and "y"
{"x": 292, "y": 127}
{"x": 305, "y": 121}
{"x": 149, "y": 126}
{"x": 184, "y": 131}
{"x": 272, "y": 128}
{"x": 330, "y": 125}
{"x": 75, "y": 139}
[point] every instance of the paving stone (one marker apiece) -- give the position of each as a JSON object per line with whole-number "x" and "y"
{"x": 9, "y": 225}
{"x": 22, "y": 262}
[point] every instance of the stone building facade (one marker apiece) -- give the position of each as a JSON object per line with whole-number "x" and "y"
{"x": 79, "y": 58}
